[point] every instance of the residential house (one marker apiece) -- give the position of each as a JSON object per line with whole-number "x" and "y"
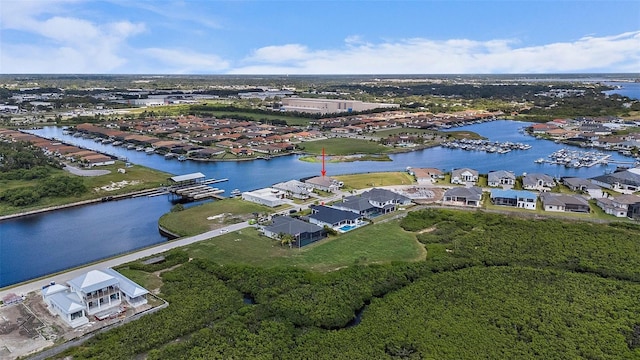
{"x": 619, "y": 206}
{"x": 627, "y": 181}
{"x": 294, "y": 189}
{"x": 537, "y": 181}
{"x": 463, "y": 196}
{"x": 426, "y": 175}
{"x": 517, "y": 198}
{"x": 500, "y": 178}
{"x": 583, "y": 185}
{"x": 324, "y": 183}
{"x": 464, "y": 176}
{"x": 303, "y": 232}
{"x": 373, "y": 202}
{"x": 268, "y": 196}
{"x": 97, "y": 292}
{"x": 564, "y": 202}
{"x": 327, "y": 216}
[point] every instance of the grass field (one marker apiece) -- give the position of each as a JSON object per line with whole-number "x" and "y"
{"x": 340, "y": 146}
{"x": 379, "y": 243}
{"x": 362, "y": 181}
{"x": 135, "y": 178}
{"x": 193, "y": 221}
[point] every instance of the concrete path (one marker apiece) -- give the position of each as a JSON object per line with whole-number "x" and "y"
{"x": 62, "y": 278}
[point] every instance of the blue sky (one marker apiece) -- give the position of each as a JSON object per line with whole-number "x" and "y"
{"x": 319, "y": 37}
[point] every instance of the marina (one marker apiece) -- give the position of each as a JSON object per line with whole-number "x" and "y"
{"x": 577, "y": 159}
{"x": 485, "y": 145}
{"x": 129, "y": 224}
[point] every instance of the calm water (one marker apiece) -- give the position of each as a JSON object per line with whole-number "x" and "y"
{"x": 631, "y": 90}
{"x": 41, "y": 244}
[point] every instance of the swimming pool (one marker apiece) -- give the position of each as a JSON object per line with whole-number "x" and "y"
{"x": 346, "y": 228}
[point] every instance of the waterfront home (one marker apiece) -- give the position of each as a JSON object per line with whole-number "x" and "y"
{"x": 464, "y": 176}
{"x": 324, "y": 183}
{"x": 627, "y": 181}
{"x": 373, "y": 202}
{"x": 501, "y": 177}
{"x": 328, "y": 216}
{"x": 517, "y": 198}
{"x": 564, "y": 202}
{"x": 463, "y": 196}
{"x": 268, "y": 196}
{"x": 620, "y": 206}
{"x": 583, "y": 185}
{"x": 97, "y": 292}
{"x": 294, "y": 189}
{"x": 303, "y": 232}
{"x": 537, "y": 181}
{"x": 426, "y": 175}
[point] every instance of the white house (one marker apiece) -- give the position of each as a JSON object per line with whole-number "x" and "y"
{"x": 269, "y": 196}
{"x": 500, "y": 178}
{"x": 464, "y": 176}
{"x": 539, "y": 182}
{"x": 97, "y": 292}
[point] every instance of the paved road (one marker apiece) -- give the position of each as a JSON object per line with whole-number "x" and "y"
{"x": 62, "y": 278}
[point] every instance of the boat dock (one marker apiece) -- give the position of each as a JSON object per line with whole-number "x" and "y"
{"x": 195, "y": 187}
{"x": 575, "y": 158}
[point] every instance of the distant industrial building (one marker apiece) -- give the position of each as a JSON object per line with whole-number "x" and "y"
{"x": 329, "y": 106}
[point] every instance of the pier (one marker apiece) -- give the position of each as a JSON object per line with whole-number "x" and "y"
{"x": 195, "y": 186}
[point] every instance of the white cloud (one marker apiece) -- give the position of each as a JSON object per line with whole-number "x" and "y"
{"x": 182, "y": 61}
{"x": 618, "y": 53}
{"x": 68, "y": 44}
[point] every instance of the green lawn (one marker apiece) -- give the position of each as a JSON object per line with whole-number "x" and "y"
{"x": 341, "y": 146}
{"x": 361, "y": 181}
{"x": 135, "y": 178}
{"x": 380, "y": 243}
{"x": 193, "y": 221}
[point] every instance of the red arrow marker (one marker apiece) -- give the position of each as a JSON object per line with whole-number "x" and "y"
{"x": 323, "y": 172}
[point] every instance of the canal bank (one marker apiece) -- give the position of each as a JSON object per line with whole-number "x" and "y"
{"x": 40, "y": 244}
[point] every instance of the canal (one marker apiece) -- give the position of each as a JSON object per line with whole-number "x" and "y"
{"x": 41, "y": 244}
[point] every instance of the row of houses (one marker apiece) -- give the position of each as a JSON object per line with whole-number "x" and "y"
{"x": 61, "y": 150}
{"x": 624, "y": 205}
{"x": 349, "y": 213}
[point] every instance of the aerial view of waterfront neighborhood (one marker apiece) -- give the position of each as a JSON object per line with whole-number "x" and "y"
{"x": 195, "y": 182}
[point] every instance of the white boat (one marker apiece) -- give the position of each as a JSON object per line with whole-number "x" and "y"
{"x": 539, "y": 161}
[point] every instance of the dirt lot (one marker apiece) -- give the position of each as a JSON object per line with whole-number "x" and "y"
{"x": 29, "y": 327}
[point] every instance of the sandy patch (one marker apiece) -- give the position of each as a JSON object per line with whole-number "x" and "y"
{"x": 116, "y": 185}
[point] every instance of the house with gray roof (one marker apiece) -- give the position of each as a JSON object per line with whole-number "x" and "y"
{"x": 294, "y": 189}
{"x": 463, "y": 196}
{"x": 627, "y": 181}
{"x": 564, "y": 202}
{"x": 464, "y": 176}
{"x": 97, "y": 292}
{"x": 518, "y": 198}
{"x": 537, "y": 181}
{"x": 324, "y": 183}
{"x": 619, "y": 206}
{"x": 373, "y": 202}
{"x": 324, "y": 215}
{"x": 501, "y": 177}
{"x": 303, "y": 232}
{"x": 583, "y": 185}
